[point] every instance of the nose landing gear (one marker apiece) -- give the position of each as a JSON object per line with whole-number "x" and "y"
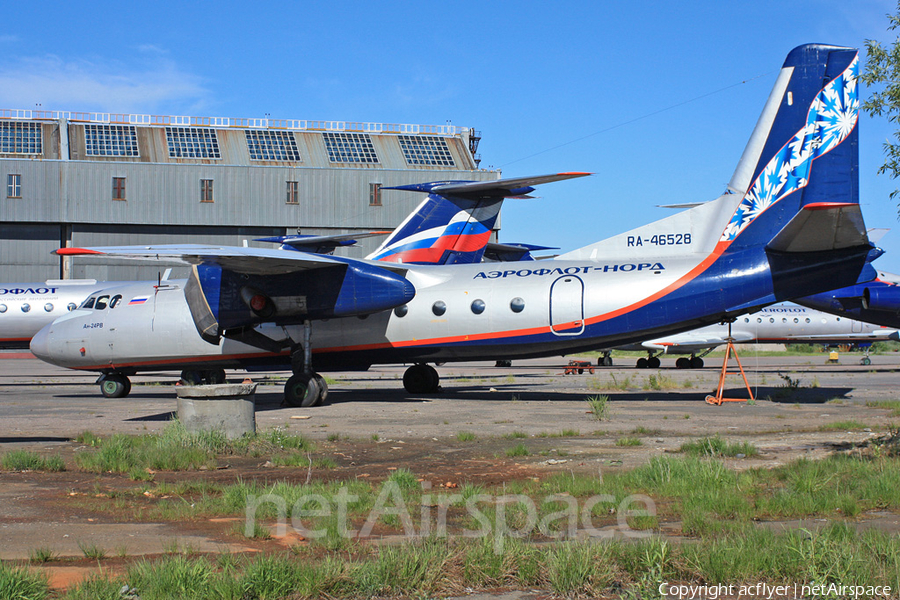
{"x": 305, "y": 387}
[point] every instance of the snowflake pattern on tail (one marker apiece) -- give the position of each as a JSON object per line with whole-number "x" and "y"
{"x": 831, "y": 118}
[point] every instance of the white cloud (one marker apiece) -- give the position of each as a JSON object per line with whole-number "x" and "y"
{"x": 108, "y": 86}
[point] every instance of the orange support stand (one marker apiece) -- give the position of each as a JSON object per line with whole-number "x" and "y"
{"x": 718, "y": 399}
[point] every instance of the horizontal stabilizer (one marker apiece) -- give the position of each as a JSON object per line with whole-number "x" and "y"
{"x": 319, "y": 244}
{"x": 502, "y": 188}
{"x": 822, "y": 226}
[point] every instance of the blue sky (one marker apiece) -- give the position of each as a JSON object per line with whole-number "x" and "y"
{"x": 658, "y": 99}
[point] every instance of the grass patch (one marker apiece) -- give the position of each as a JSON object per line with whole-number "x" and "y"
{"x": 628, "y": 441}
{"x": 23, "y": 460}
{"x": 41, "y": 555}
{"x": 22, "y": 584}
{"x": 660, "y": 382}
{"x": 465, "y": 436}
{"x": 843, "y": 426}
{"x": 599, "y": 406}
{"x": 716, "y": 446}
{"x": 437, "y": 567}
{"x": 891, "y": 405}
{"x": 176, "y": 449}
{"x": 566, "y": 433}
{"x": 92, "y": 551}
{"x": 515, "y": 435}
{"x": 517, "y": 450}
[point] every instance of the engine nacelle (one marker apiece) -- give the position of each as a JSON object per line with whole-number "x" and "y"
{"x": 882, "y": 297}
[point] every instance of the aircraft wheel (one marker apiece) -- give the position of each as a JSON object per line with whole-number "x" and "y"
{"x": 115, "y": 386}
{"x": 420, "y": 379}
{"x": 215, "y": 376}
{"x": 323, "y": 389}
{"x": 190, "y": 377}
{"x": 503, "y": 363}
{"x": 866, "y": 361}
{"x": 641, "y": 363}
{"x": 683, "y": 363}
{"x": 653, "y": 362}
{"x": 434, "y": 379}
{"x": 302, "y": 390}
{"x": 605, "y": 361}
{"x": 696, "y": 362}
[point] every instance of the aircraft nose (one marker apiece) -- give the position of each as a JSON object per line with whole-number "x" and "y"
{"x": 40, "y": 343}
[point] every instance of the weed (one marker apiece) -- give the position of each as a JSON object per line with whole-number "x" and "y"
{"x": 599, "y": 406}
{"x": 465, "y": 436}
{"x": 41, "y": 555}
{"x": 515, "y": 435}
{"x": 19, "y": 583}
{"x": 23, "y": 460}
{"x": 627, "y": 441}
{"x": 842, "y": 426}
{"x": 716, "y": 446}
{"x": 891, "y": 405}
{"x": 517, "y": 450}
{"x": 92, "y": 551}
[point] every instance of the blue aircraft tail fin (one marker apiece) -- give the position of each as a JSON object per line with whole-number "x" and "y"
{"x": 454, "y": 223}
{"x": 803, "y": 157}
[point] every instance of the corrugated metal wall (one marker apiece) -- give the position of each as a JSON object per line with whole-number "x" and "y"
{"x": 72, "y": 198}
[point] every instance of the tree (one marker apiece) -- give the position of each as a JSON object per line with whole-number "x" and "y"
{"x": 882, "y": 69}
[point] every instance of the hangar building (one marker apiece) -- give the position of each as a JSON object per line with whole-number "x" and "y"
{"x": 89, "y": 179}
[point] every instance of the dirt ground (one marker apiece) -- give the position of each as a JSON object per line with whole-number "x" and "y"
{"x": 371, "y": 426}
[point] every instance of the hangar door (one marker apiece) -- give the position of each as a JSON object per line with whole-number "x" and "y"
{"x": 567, "y": 306}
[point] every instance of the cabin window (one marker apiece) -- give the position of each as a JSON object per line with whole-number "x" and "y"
{"x": 771, "y": 320}
{"x": 807, "y": 319}
{"x": 2, "y": 308}
{"x": 401, "y": 311}
{"x": 517, "y": 305}
{"x": 796, "y": 320}
{"x": 26, "y": 307}
{"x": 48, "y": 307}
{"x": 439, "y": 308}
{"x": 477, "y": 306}
{"x": 72, "y": 306}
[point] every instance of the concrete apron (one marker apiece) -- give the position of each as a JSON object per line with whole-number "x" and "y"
{"x": 226, "y": 407}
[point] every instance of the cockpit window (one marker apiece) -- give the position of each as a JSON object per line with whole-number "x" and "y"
{"x": 115, "y": 301}
{"x": 89, "y": 303}
{"x": 101, "y": 302}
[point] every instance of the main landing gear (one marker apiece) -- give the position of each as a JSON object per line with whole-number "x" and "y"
{"x": 605, "y": 359}
{"x": 694, "y": 362}
{"x": 305, "y": 387}
{"x": 421, "y": 379}
{"x": 651, "y": 362}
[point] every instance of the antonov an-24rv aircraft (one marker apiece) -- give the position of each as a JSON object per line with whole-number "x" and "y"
{"x": 789, "y": 225}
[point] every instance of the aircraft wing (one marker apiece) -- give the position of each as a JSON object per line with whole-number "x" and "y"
{"x": 686, "y": 343}
{"x": 235, "y": 288}
{"x": 258, "y": 261}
